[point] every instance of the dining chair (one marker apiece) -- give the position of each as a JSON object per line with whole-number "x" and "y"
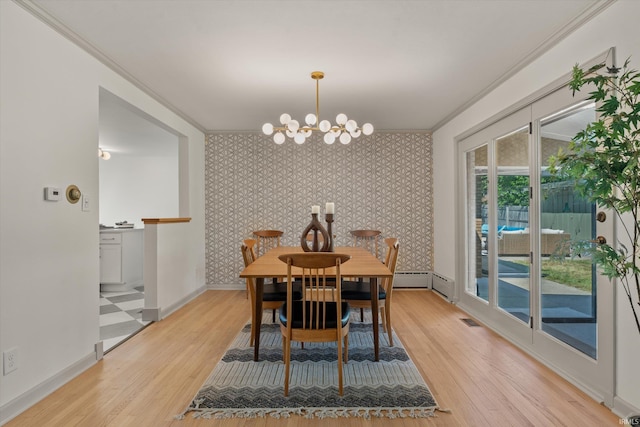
{"x": 321, "y": 315}
{"x": 274, "y": 294}
{"x": 250, "y": 245}
{"x": 358, "y": 293}
{"x": 267, "y": 239}
{"x": 367, "y": 239}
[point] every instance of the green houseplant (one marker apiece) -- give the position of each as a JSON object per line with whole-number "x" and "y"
{"x": 604, "y": 162}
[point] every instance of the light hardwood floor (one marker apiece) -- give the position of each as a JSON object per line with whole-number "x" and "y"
{"x": 481, "y": 378}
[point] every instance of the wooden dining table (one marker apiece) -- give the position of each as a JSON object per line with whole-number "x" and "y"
{"x": 362, "y": 264}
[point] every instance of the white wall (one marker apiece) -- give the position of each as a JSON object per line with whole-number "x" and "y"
{"x": 49, "y": 301}
{"x": 165, "y": 263}
{"x": 616, "y": 26}
{"x": 141, "y": 179}
{"x": 136, "y": 187}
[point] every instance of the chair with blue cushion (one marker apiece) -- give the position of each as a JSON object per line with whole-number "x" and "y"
{"x": 321, "y": 315}
{"x": 358, "y": 293}
{"x": 275, "y": 294}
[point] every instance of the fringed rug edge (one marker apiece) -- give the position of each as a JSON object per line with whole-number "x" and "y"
{"x": 313, "y": 412}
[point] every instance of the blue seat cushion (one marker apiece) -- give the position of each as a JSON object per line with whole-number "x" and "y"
{"x": 278, "y": 292}
{"x": 360, "y": 290}
{"x": 331, "y": 308}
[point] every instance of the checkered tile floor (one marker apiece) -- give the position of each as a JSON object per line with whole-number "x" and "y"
{"x": 120, "y": 316}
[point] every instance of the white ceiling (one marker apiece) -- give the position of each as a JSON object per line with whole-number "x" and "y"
{"x": 234, "y": 65}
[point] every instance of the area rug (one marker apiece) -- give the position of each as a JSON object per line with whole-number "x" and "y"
{"x": 240, "y": 387}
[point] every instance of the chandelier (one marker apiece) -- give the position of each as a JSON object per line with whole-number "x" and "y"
{"x": 344, "y": 130}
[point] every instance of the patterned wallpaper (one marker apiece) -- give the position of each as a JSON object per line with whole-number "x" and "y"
{"x": 383, "y": 182}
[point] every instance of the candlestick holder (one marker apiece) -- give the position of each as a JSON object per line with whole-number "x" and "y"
{"x": 329, "y": 218}
{"x": 316, "y": 227}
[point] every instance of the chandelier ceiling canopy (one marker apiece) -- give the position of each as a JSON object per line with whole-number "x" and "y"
{"x": 344, "y": 130}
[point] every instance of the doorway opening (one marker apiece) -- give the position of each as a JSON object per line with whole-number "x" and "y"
{"x": 139, "y": 178}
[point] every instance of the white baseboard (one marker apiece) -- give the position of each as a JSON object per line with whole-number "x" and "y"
{"x": 226, "y": 287}
{"x": 29, "y": 398}
{"x": 150, "y": 314}
{"x": 166, "y": 311}
{"x": 623, "y": 409}
{"x": 156, "y": 314}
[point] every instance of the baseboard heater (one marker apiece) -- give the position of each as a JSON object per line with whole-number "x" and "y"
{"x": 442, "y": 284}
{"x": 412, "y": 279}
{"x": 424, "y": 279}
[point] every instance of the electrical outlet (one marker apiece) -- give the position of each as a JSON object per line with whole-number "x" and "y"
{"x": 10, "y": 360}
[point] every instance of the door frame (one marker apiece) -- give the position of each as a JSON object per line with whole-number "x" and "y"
{"x": 594, "y": 377}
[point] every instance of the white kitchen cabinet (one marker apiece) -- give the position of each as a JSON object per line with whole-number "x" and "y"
{"x": 121, "y": 258}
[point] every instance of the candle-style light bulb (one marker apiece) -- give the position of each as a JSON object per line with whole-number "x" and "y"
{"x": 329, "y": 208}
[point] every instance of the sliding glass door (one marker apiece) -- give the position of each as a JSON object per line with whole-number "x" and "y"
{"x": 573, "y": 307}
{"x": 477, "y": 282}
{"x": 512, "y": 210}
{"x": 568, "y": 285}
{"x": 496, "y": 162}
{"x": 521, "y": 277}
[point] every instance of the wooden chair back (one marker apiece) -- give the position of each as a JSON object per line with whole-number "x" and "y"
{"x": 320, "y": 284}
{"x": 248, "y": 256}
{"x": 312, "y": 318}
{"x": 267, "y": 239}
{"x": 367, "y": 239}
{"x": 393, "y": 248}
{"x": 250, "y": 251}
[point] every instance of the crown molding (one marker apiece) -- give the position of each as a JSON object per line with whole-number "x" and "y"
{"x": 75, "y": 38}
{"x": 587, "y": 15}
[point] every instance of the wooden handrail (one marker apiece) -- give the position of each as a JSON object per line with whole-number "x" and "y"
{"x": 164, "y": 220}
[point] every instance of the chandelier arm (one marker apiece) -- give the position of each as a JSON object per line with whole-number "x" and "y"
{"x": 285, "y": 128}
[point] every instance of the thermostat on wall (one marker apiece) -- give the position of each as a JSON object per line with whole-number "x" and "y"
{"x": 52, "y": 194}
